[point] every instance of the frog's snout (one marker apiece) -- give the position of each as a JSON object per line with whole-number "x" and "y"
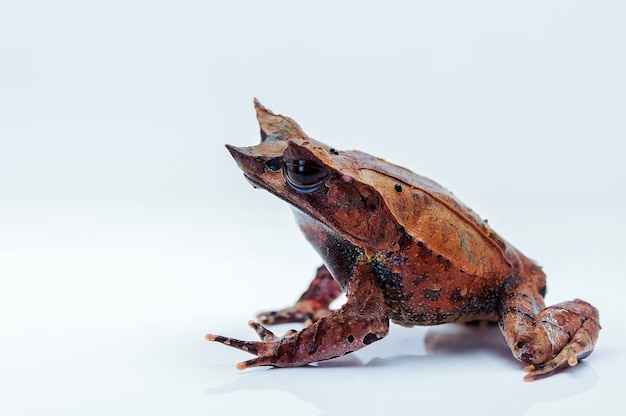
{"x": 234, "y": 150}
{"x": 252, "y": 165}
{"x": 239, "y": 155}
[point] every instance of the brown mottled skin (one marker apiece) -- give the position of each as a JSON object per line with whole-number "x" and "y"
{"x": 403, "y": 248}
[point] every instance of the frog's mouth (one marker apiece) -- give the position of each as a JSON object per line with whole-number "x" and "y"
{"x": 259, "y": 184}
{"x": 256, "y": 184}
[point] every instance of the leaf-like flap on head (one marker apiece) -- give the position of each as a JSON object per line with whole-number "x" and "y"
{"x": 275, "y": 126}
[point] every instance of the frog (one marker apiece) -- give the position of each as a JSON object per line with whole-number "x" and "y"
{"x": 404, "y": 250}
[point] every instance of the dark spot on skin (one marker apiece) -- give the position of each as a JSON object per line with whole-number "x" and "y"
{"x": 404, "y": 237}
{"x": 430, "y": 318}
{"x": 398, "y": 260}
{"x": 543, "y": 291}
{"x": 333, "y": 151}
{"x": 313, "y": 344}
{"x": 439, "y": 256}
{"x": 519, "y": 312}
{"x": 456, "y": 296}
{"x": 420, "y": 279}
{"x": 462, "y": 271}
{"x": 431, "y": 294}
{"x": 420, "y": 244}
{"x": 369, "y": 338}
{"x": 350, "y": 339}
{"x": 486, "y": 221}
{"x": 509, "y": 283}
{"x": 398, "y": 188}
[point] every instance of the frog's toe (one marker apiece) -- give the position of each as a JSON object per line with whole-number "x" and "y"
{"x": 537, "y": 371}
{"x": 290, "y": 314}
{"x": 305, "y": 311}
{"x": 263, "y": 333}
{"x": 255, "y": 362}
{"x": 247, "y": 346}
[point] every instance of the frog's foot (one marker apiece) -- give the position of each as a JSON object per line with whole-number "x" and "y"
{"x": 312, "y": 305}
{"x": 558, "y": 337}
{"x": 574, "y": 324}
{"x": 253, "y": 347}
{"x": 361, "y": 321}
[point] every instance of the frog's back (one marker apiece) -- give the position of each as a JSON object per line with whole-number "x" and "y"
{"x": 429, "y": 212}
{"x": 453, "y": 267}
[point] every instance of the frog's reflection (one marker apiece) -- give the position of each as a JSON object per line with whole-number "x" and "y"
{"x": 466, "y": 338}
{"x": 449, "y": 368}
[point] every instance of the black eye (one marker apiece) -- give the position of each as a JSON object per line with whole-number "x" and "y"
{"x": 304, "y": 175}
{"x": 274, "y": 164}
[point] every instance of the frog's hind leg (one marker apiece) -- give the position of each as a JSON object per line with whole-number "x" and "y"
{"x": 312, "y": 305}
{"x": 547, "y": 339}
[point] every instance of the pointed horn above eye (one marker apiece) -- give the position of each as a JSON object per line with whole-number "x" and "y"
{"x": 276, "y": 126}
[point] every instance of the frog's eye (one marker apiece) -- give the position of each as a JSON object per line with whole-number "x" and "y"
{"x": 304, "y": 175}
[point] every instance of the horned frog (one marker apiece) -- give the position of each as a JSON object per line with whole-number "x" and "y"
{"x": 403, "y": 249}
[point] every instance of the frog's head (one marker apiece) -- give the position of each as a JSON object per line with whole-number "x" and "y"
{"x": 316, "y": 179}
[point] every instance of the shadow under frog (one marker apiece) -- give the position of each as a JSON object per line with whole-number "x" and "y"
{"x": 341, "y": 386}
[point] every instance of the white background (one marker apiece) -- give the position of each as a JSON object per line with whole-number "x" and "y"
{"x": 127, "y": 232}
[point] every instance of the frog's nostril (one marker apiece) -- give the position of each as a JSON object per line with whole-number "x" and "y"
{"x": 527, "y": 357}
{"x": 274, "y": 164}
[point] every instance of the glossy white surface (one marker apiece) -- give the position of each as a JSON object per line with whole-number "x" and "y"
{"x": 127, "y": 232}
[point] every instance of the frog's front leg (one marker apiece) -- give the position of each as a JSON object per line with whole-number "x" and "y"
{"x": 547, "y": 339}
{"x": 359, "y": 322}
{"x": 312, "y": 305}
